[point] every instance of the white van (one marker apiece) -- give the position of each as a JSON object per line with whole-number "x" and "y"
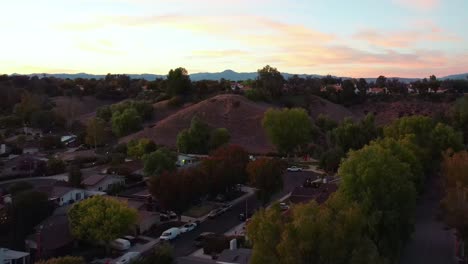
{"x": 120, "y": 244}
{"x": 170, "y": 234}
{"x": 127, "y": 258}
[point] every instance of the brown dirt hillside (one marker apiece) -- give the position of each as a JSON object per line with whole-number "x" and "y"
{"x": 334, "y": 111}
{"x": 386, "y": 112}
{"x": 239, "y": 115}
{"x": 78, "y": 108}
{"x": 162, "y": 110}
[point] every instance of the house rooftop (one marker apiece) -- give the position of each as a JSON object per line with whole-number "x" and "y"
{"x": 55, "y": 191}
{"x": 94, "y": 179}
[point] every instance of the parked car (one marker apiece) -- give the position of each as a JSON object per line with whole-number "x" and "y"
{"x": 226, "y": 207}
{"x": 216, "y": 212}
{"x": 294, "y": 169}
{"x": 127, "y": 258}
{"x": 132, "y": 239}
{"x": 170, "y": 234}
{"x": 200, "y": 240}
{"x": 120, "y": 244}
{"x": 188, "y": 227}
{"x": 284, "y": 206}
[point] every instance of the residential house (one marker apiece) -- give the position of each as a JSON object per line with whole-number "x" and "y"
{"x": 70, "y": 156}
{"x": 31, "y": 147}
{"x": 8, "y": 256}
{"x": 146, "y": 218}
{"x": 63, "y": 195}
{"x": 334, "y": 87}
{"x": 188, "y": 159}
{"x": 228, "y": 256}
{"x": 52, "y": 236}
{"x": 24, "y": 165}
{"x": 102, "y": 182}
{"x": 4, "y": 150}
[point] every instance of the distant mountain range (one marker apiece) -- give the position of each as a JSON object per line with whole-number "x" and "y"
{"x": 227, "y": 74}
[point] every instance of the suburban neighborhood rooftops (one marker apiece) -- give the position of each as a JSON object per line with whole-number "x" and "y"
{"x": 93, "y": 179}
{"x": 55, "y": 191}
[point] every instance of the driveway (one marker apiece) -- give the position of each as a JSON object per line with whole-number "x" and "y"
{"x": 430, "y": 243}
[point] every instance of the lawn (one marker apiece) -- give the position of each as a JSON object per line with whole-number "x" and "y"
{"x": 200, "y": 210}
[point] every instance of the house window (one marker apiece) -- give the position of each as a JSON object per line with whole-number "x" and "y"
{"x": 100, "y": 189}
{"x": 78, "y": 196}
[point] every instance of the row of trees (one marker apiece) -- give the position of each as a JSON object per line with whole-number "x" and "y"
{"x": 200, "y": 138}
{"x": 370, "y": 218}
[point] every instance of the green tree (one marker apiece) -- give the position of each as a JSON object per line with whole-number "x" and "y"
{"x": 354, "y": 135}
{"x": 287, "y": 129}
{"x": 96, "y": 134}
{"x": 29, "y": 208}
{"x": 178, "y": 82}
{"x": 330, "y": 159}
{"x": 159, "y": 161}
{"x": 101, "y": 219}
{"x": 459, "y": 116}
{"x": 104, "y": 113}
{"x": 195, "y": 139}
{"x": 334, "y": 232}
{"x": 19, "y": 187}
{"x": 74, "y": 175}
{"x": 42, "y": 119}
{"x": 137, "y": 148}
{"x": 455, "y": 167}
{"x": 125, "y": 122}
{"x": 55, "y": 166}
{"x": 382, "y": 184}
{"x": 27, "y": 106}
{"x": 404, "y": 151}
{"x": 267, "y": 176}
{"x": 219, "y": 137}
{"x": 270, "y": 81}
{"x": 63, "y": 260}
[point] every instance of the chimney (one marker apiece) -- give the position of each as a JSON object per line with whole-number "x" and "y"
{"x": 233, "y": 244}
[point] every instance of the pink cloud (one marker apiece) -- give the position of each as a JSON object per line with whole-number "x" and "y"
{"x": 419, "y": 4}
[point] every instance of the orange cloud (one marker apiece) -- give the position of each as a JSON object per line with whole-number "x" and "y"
{"x": 405, "y": 39}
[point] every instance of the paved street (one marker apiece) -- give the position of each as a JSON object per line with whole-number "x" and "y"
{"x": 431, "y": 243}
{"x": 184, "y": 245}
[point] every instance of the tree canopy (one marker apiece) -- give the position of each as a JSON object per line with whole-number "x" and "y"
{"x": 159, "y": 161}
{"x": 381, "y": 183}
{"x": 138, "y": 148}
{"x": 178, "y": 82}
{"x": 331, "y": 233}
{"x": 270, "y": 81}
{"x": 267, "y": 176}
{"x": 96, "y": 134}
{"x": 101, "y": 219}
{"x": 125, "y": 122}
{"x": 287, "y": 129}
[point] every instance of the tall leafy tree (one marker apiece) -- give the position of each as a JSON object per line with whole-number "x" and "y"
{"x": 96, "y": 134}
{"x": 196, "y": 139}
{"x": 138, "y": 148}
{"x": 455, "y": 168}
{"x": 382, "y": 184}
{"x": 287, "y": 129}
{"x": 159, "y": 161}
{"x": 125, "y": 122}
{"x": 267, "y": 176}
{"x": 178, "y": 82}
{"x": 101, "y": 219}
{"x": 270, "y": 81}
{"x": 219, "y": 137}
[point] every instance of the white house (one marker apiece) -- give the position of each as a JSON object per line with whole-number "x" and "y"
{"x": 66, "y": 195}
{"x": 8, "y": 256}
{"x": 188, "y": 159}
{"x": 102, "y": 182}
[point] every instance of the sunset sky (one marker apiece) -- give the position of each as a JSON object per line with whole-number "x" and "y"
{"x": 359, "y": 38}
